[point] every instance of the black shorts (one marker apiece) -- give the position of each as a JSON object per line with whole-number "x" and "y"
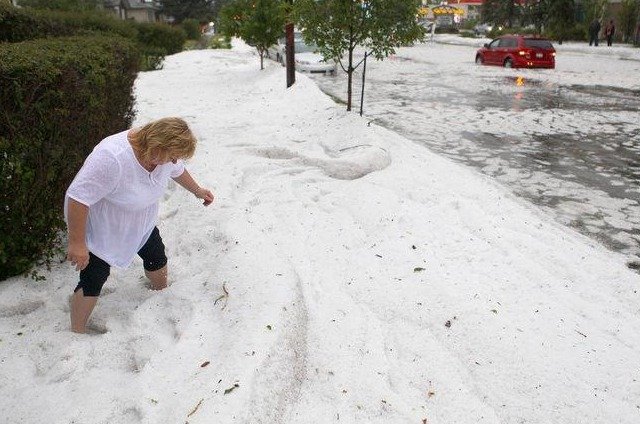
{"x": 93, "y": 277}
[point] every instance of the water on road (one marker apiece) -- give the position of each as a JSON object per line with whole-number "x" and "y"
{"x": 569, "y": 147}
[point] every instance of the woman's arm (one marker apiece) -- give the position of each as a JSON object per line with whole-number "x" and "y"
{"x": 189, "y": 184}
{"x": 77, "y": 251}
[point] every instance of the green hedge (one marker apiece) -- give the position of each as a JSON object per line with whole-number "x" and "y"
{"x": 161, "y": 36}
{"x": 58, "y": 97}
{"x": 191, "y": 28}
{"x": 575, "y": 33}
{"x": 446, "y": 30}
{"x": 578, "y": 32}
{"x": 27, "y": 24}
{"x": 219, "y": 41}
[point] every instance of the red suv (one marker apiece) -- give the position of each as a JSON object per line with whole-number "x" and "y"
{"x": 518, "y": 51}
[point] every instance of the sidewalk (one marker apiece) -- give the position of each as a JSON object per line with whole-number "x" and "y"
{"x": 369, "y": 280}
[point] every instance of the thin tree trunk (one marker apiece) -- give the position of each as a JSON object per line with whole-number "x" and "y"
{"x": 349, "y": 78}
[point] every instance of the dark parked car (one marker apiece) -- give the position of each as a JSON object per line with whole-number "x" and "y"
{"x": 518, "y": 51}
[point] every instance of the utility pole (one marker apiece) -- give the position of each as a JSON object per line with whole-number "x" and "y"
{"x": 290, "y": 50}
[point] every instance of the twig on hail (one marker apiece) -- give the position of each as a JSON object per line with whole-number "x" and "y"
{"x": 224, "y": 295}
{"x": 195, "y": 409}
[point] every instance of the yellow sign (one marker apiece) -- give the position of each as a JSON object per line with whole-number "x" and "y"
{"x": 447, "y": 10}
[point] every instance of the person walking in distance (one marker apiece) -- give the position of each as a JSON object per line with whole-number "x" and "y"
{"x": 609, "y": 32}
{"x": 594, "y": 31}
{"x": 111, "y": 207}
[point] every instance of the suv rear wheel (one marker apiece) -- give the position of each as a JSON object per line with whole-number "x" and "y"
{"x": 508, "y": 63}
{"x": 479, "y": 60}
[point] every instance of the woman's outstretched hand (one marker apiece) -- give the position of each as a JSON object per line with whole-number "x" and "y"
{"x": 205, "y": 195}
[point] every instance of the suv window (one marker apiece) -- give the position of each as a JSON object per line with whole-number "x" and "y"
{"x": 537, "y": 43}
{"x": 508, "y": 42}
{"x": 494, "y": 44}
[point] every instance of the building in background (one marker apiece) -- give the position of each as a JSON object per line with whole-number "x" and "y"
{"x": 471, "y": 8}
{"x": 136, "y": 10}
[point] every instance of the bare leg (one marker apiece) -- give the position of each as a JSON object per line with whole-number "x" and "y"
{"x": 158, "y": 278}
{"x": 81, "y": 308}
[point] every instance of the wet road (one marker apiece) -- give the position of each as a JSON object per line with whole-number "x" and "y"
{"x": 570, "y": 147}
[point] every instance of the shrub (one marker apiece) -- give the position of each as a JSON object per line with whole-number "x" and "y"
{"x": 191, "y": 28}
{"x": 465, "y": 33}
{"x": 69, "y": 5}
{"x": 161, "y": 36}
{"x": 469, "y": 24}
{"x": 156, "y": 40}
{"x": 59, "y": 97}
{"x": 219, "y": 42}
{"x": 446, "y": 30}
{"x": 575, "y": 33}
{"x": 578, "y": 33}
{"x": 22, "y": 24}
{"x": 152, "y": 58}
{"x": 191, "y": 45}
{"x": 497, "y": 32}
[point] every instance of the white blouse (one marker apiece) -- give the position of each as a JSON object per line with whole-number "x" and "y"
{"x": 122, "y": 197}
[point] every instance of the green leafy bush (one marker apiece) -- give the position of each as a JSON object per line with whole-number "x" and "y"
{"x": 24, "y": 24}
{"x": 497, "y": 32}
{"x": 191, "y": 28}
{"x": 58, "y": 97}
{"x": 465, "y": 33}
{"x": 469, "y": 24}
{"x": 161, "y": 36}
{"x": 69, "y": 5}
{"x": 446, "y": 30}
{"x": 191, "y": 45}
{"x": 156, "y": 40}
{"x": 577, "y": 33}
{"x": 152, "y": 58}
{"x": 219, "y": 41}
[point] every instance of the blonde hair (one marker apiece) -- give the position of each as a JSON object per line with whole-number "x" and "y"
{"x": 164, "y": 138}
